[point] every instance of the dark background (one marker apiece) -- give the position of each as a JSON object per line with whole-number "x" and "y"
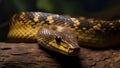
{"x": 87, "y": 8}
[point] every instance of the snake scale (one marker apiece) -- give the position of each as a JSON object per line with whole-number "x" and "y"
{"x": 64, "y": 34}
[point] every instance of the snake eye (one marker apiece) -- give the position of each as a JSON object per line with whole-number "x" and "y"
{"x": 58, "y": 40}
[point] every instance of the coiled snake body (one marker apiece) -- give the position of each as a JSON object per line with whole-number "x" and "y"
{"x": 64, "y": 34}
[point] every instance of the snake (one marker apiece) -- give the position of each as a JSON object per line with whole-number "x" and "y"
{"x": 63, "y": 34}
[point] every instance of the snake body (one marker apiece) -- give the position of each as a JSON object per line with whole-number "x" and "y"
{"x": 64, "y": 34}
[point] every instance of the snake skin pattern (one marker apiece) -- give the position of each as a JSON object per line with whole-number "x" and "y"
{"x": 64, "y": 34}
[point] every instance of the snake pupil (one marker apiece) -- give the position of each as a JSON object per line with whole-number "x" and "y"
{"x": 58, "y": 40}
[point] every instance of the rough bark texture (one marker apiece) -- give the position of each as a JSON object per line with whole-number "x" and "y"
{"x": 31, "y": 55}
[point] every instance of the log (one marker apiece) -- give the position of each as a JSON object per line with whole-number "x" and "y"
{"x": 32, "y": 55}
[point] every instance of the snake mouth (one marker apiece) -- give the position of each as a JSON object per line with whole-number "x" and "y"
{"x": 73, "y": 51}
{"x": 67, "y": 51}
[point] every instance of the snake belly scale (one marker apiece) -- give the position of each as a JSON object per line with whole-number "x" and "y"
{"x": 64, "y": 34}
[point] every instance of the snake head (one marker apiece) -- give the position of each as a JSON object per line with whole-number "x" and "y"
{"x": 59, "y": 39}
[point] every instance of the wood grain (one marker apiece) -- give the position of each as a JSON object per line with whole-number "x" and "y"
{"x": 31, "y": 55}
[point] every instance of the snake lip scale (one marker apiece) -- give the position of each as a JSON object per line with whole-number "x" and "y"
{"x": 63, "y": 34}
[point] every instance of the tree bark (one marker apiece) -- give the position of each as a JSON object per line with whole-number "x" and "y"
{"x": 31, "y": 55}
